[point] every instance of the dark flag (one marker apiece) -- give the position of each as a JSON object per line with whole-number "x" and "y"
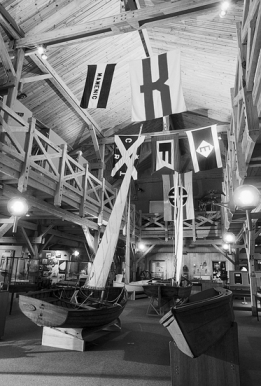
{"x": 204, "y": 148}
{"x": 125, "y": 146}
{"x": 165, "y": 153}
{"x": 97, "y": 86}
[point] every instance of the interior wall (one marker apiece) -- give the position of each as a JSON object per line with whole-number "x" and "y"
{"x": 198, "y": 264}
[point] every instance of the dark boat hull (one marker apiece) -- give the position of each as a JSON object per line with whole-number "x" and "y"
{"x": 51, "y": 308}
{"x": 199, "y": 323}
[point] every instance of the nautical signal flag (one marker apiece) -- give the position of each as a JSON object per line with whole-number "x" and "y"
{"x": 156, "y": 87}
{"x": 204, "y": 148}
{"x": 97, "y": 86}
{"x": 125, "y": 146}
{"x": 185, "y": 187}
{"x": 165, "y": 153}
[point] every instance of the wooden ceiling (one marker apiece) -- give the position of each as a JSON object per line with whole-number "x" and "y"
{"x": 77, "y": 33}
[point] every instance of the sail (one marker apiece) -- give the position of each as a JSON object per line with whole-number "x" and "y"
{"x": 104, "y": 256}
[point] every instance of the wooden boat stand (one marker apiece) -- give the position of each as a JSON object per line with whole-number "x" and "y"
{"x": 76, "y": 339}
{"x": 158, "y": 306}
{"x": 218, "y": 366}
{"x": 154, "y": 307}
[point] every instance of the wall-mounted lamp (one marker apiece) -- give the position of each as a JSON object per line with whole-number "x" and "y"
{"x": 247, "y": 197}
{"x": 141, "y": 246}
{"x": 229, "y": 238}
{"x": 17, "y": 207}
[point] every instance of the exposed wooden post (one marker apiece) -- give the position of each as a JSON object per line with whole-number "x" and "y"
{"x": 23, "y": 179}
{"x": 101, "y": 154}
{"x": 12, "y": 93}
{"x": 85, "y": 187}
{"x": 59, "y": 190}
{"x": 250, "y": 251}
{"x": 127, "y": 246}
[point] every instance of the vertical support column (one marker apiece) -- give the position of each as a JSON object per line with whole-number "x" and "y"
{"x": 127, "y": 246}
{"x": 59, "y": 190}
{"x": 100, "y": 177}
{"x": 85, "y": 187}
{"x": 23, "y": 179}
{"x": 12, "y": 93}
{"x": 250, "y": 249}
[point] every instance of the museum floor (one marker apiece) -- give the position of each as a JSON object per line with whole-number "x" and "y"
{"x": 138, "y": 355}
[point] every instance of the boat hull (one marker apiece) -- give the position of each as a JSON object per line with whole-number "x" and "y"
{"x": 136, "y": 286}
{"x": 51, "y": 308}
{"x": 166, "y": 293}
{"x": 199, "y": 323}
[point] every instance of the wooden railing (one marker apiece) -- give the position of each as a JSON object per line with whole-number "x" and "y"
{"x": 36, "y": 162}
{"x": 206, "y": 224}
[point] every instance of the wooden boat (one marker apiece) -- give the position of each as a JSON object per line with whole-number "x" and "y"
{"x": 59, "y": 307}
{"x": 136, "y": 286}
{"x": 201, "y": 321}
{"x": 93, "y": 304}
{"x": 165, "y": 292}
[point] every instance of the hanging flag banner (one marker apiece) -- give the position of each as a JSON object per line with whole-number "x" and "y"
{"x": 204, "y": 148}
{"x": 156, "y": 87}
{"x": 125, "y": 146}
{"x": 97, "y": 86}
{"x": 165, "y": 153}
{"x": 185, "y": 186}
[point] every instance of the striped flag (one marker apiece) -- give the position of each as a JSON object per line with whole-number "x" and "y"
{"x": 156, "y": 87}
{"x": 97, "y": 86}
{"x": 165, "y": 153}
{"x": 204, "y": 148}
{"x": 183, "y": 181}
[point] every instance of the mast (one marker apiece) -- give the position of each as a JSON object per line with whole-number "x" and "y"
{"x": 104, "y": 256}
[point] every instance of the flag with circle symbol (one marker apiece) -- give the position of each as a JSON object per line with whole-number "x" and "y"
{"x": 185, "y": 187}
{"x": 204, "y": 148}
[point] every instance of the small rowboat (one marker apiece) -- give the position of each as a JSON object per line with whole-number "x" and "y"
{"x": 201, "y": 321}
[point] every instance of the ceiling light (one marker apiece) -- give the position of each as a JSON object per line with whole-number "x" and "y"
{"x": 225, "y": 5}
{"x": 44, "y": 56}
{"x": 40, "y": 50}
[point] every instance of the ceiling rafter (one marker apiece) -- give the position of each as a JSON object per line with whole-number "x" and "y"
{"x": 61, "y": 86}
{"x": 124, "y": 22}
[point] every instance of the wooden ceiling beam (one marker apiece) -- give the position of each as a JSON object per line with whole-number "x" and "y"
{"x": 7, "y": 63}
{"x": 60, "y": 85}
{"x": 181, "y": 133}
{"x": 9, "y": 24}
{"x": 37, "y": 78}
{"x": 123, "y": 22}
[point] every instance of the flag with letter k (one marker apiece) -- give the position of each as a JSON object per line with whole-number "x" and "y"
{"x": 156, "y": 87}
{"x": 125, "y": 147}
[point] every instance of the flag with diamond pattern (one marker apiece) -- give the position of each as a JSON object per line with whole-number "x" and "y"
{"x": 204, "y": 148}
